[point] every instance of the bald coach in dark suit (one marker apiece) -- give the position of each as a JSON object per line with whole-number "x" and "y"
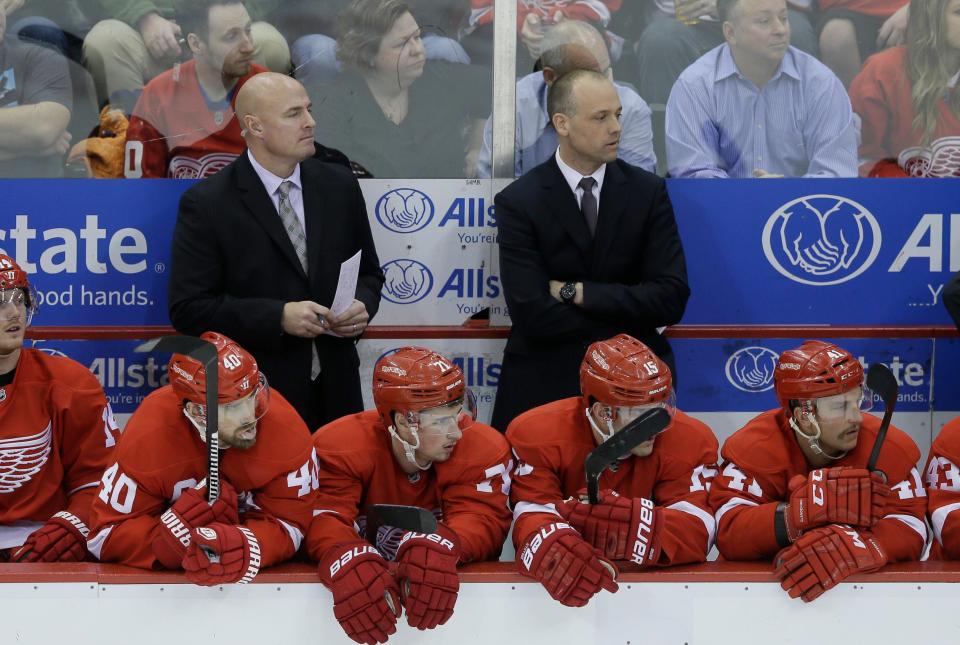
{"x": 589, "y": 248}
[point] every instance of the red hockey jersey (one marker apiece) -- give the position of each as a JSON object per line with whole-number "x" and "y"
{"x": 882, "y": 95}
{"x": 468, "y": 492}
{"x": 878, "y": 8}
{"x": 758, "y": 462}
{"x": 57, "y": 434}
{"x": 174, "y": 133}
{"x": 161, "y": 454}
{"x": 552, "y": 441}
{"x": 942, "y": 476}
{"x": 595, "y": 11}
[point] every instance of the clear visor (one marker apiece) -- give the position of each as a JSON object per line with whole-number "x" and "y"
{"x": 847, "y": 405}
{"x": 627, "y": 413}
{"x": 449, "y": 419}
{"x": 13, "y": 302}
{"x": 245, "y": 411}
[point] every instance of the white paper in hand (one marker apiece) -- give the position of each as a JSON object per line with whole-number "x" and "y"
{"x": 346, "y": 285}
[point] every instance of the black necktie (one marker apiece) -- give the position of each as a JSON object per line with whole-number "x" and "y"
{"x": 588, "y": 203}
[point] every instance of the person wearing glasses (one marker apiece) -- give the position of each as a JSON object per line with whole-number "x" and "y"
{"x": 419, "y": 447}
{"x": 653, "y": 508}
{"x": 793, "y": 485}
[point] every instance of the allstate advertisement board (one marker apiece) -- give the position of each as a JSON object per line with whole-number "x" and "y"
{"x": 840, "y": 252}
{"x": 435, "y": 240}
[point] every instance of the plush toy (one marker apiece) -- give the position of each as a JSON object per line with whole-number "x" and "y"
{"x": 102, "y": 155}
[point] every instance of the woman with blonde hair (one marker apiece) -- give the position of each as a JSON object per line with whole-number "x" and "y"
{"x": 909, "y": 101}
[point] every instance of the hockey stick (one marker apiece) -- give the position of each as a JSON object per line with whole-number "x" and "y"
{"x": 881, "y": 380}
{"x": 406, "y": 518}
{"x": 643, "y": 428}
{"x": 206, "y": 353}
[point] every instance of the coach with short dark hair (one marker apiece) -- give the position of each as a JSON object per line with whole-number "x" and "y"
{"x": 589, "y": 248}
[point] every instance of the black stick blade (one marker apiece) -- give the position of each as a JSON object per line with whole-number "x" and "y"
{"x": 643, "y": 428}
{"x": 406, "y": 518}
{"x": 881, "y": 380}
{"x": 191, "y": 346}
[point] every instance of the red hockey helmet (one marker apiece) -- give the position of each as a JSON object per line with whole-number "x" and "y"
{"x": 13, "y": 277}
{"x": 622, "y": 371}
{"x": 815, "y": 370}
{"x": 238, "y": 375}
{"x": 414, "y": 379}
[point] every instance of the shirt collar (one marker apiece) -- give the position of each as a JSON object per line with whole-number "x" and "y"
{"x": 573, "y": 177}
{"x": 270, "y": 181}
{"x": 727, "y": 67}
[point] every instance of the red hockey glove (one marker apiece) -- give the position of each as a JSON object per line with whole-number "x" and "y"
{"x": 366, "y": 599}
{"x": 571, "y": 570}
{"x": 222, "y": 554}
{"x": 839, "y": 495}
{"x": 187, "y": 513}
{"x": 623, "y": 528}
{"x": 427, "y": 575}
{"x": 824, "y": 557}
{"x": 62, "y": 539}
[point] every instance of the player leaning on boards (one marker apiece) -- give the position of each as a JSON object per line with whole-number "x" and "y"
{"x": 942, "y": 476}
{"x": 56, "y": 436}
{"x": 151, "y": 511}
{"x": 653, "y": 505}
{"x": 793, "y": 485}
{"x": 420, "y": 447}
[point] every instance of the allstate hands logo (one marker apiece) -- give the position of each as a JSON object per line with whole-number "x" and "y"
{"x": 751, "y": 369}
{"x": 821, "y": 240}
{"x": 407, "y": 281}
{"x": 404, "y": 210}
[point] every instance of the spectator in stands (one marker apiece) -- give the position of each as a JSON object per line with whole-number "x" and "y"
{"x": 569, "y": 45}
{"x": 680, "y": 31}
{"x": 35, "y": 104}
{"x": 141, "y": 39}
{"x": 315, "y": 59}
{"x": 909, "y": 101}
{"x": 852, "y": 30}
{"x": 534, "y": 17}
{"x": 393, "y": 112}
{"x": 755, "y": 106}
{"x": 184, "y": 125}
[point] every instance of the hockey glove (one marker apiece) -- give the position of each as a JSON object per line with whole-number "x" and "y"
{"x": 622, "y": 528}
{"x": 221, "y": 554}
{"x": 366, "y": 599}
{"x": 571, "y": 570}
{"x": 824, "y": 557}
{"x": 187, "y": 513}
{"x": 62, "y": 539}
{"x": 835, "y": 496}
{"x": 427, "y": 575}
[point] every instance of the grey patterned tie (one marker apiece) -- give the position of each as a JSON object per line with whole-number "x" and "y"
{"x": 295, "y": 231}
{"x": 588, "y": 203}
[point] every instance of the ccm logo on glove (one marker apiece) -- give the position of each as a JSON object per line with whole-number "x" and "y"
{"x": 433, "y": 537}
{"x": 817, "y": 492}
{"x": 644, "y": 529}
{"x": 350, "y": 555}
{"x": 537, "y": 541}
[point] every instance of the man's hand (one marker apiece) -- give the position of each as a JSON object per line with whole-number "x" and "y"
{"x": 305, "y": 319}
{"x": 427, "y": 575}
{"x": 187, "y": 513}
{"x": 160, "y": 36}
{"x": 351, "y": 322}
{"x": 760, "y": 173}
{"x": 222, "y": 554}
{"x": 623, "y": 528}
{"x": 556, "y": 285}
{"x": 62, "y": 539}
{"x": 838, "y": 495}
{"x": 824, "y": 557}
{"x": 366, "y": 599}
{"x": 58, "y": 148}
{"x": 531, "y": 34}
{"x": 570, "y": 570}
{"x": 693, "y": 9}
{"x": 894, "y": 29}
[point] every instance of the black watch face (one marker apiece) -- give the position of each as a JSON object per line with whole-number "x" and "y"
{"x": 568, "y": 291}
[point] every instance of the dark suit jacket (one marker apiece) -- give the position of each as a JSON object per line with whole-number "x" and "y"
{"x": 233, "y": 268}
{"x": 633, "y": 271}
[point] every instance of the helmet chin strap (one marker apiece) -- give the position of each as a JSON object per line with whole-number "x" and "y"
{"x": 202, "y": 430}
{"x": 593, "y": 424}
{"x": 814, "y": 441}
{"x": 408, "y": 448}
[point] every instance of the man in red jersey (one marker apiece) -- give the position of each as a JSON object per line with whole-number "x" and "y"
{"x": 56, "y": 436}
{"x": 794, "y": 488}
{"x": 420, "y": 447}
{"x": 653, "y": 508}
{"x": 184, "y": 125}
{"x": 151, "y": 510}
{"x": 942, "y": 476}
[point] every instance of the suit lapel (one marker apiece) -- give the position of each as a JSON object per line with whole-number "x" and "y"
{"x": 312, "y": 215}
{"x": 562, "y": 204}
{"x": 613, "y": 204}
{"x": 255, "y": 198}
